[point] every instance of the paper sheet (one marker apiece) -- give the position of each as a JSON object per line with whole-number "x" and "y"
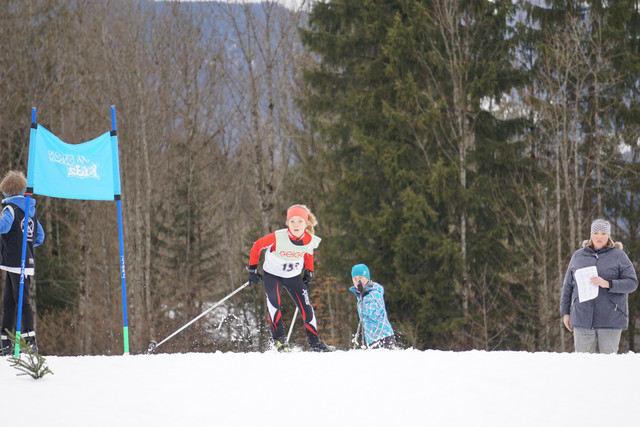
{"x": 586, "y": 290}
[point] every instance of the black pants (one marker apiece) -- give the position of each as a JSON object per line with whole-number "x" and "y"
{"x": 299, "y": 293}
{"x": 10, "y": 304}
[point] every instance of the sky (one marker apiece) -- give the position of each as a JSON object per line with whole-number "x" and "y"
{"x": 291, "y": 4}
{"x": 344, "y": 388}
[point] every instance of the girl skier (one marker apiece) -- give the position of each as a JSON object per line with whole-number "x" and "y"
{"x": 288, "y": 252}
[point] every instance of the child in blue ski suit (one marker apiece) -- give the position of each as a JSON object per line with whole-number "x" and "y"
{"x": 12, "y": 222}
{"x": 376, "y": 328}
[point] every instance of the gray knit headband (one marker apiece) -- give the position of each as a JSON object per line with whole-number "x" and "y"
{"x": 601, "y": 225}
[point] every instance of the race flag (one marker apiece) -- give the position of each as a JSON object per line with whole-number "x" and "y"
{"x": 86, "y": 171}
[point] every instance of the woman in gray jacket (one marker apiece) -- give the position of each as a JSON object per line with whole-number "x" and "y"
{"x": 598, "y": 322}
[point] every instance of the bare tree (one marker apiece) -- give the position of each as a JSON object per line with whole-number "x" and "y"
{"x": 264, "y": 46}
{"x": 570, "y": 143}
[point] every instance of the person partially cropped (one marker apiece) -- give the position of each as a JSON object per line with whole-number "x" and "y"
{"x": 597, "y": 323}
{"x": 287, "y": 253}
{"x": 372, "y": 311}
{"x": 11, "y": 228}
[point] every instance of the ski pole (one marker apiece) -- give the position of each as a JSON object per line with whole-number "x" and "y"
{"x": 153, "y": 345}
{"x": 292, "y": 322}
{"x": 355, "y": 338}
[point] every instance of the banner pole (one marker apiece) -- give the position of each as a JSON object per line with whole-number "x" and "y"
{"x": 123, "y": 280}
{"x": 25, "y": 233}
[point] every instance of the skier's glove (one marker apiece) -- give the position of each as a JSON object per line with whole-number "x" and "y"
{"x": 361, "y": 290}
{"x": 307, "y": 277}
{"x": 254, "y": 274}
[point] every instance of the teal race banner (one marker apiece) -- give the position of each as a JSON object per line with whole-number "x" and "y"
{"x": 85, "y": 171}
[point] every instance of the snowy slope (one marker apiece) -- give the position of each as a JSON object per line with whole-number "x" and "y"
{"x": 355, "y": 388}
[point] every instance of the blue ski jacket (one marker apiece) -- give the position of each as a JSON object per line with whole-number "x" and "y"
{"x": 6, "y": 218}
{"x": 12, "y": 220}
{"x": 372, "y": 312}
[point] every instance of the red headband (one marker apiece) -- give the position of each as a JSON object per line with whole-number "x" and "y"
{"x": 298, "y": 211}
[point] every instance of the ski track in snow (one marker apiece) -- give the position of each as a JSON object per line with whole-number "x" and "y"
{"x": 354, "y": 388}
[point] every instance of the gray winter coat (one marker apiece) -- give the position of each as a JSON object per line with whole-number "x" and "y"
{"x": 610, "y": 309}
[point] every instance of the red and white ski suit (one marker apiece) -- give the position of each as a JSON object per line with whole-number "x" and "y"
{"x": 285, "y": 258}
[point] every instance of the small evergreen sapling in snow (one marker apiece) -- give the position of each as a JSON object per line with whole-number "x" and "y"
{"x": 29, "y": 362}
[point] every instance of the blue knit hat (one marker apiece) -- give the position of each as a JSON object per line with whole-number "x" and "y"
{"x": 360, "y": 270}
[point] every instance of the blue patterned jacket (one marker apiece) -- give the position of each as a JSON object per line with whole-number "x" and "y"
{"x": 372, "y": 312}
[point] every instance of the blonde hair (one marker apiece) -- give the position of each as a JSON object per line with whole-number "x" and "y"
{"x": 311, "y": 222}
{"x": 13, "y": 183}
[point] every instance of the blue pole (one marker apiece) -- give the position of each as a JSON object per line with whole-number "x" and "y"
{"x": 25, "y": 233}
{"x": 123, "y": 280}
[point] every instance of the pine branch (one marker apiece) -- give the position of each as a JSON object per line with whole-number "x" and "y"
{"x": 29, "y": 362}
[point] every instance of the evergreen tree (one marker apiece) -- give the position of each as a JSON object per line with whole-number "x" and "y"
{"x": 397, "y": 98}
{"x": 621, "y": 25}
{"x": 575, "y": 52}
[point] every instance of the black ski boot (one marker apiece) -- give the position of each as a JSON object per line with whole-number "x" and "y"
{"x": 31, "y": 344}
{"x": 281, "y": 344}
{"x": 5, "y": 346}
{"x": 319, "y": 346}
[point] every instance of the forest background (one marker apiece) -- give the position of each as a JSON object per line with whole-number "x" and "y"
{"x": 458, "y": 148}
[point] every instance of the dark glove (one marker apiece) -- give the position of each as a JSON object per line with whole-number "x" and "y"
{"x": 361, "y": 290}
{"x": 307, "y": 277}
{"x": 254, "y": 274}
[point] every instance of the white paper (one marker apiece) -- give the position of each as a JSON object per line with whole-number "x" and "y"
{"x": 586, "y": 289}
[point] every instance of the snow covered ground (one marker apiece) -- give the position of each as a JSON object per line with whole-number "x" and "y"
{"x": 355, "y": 388}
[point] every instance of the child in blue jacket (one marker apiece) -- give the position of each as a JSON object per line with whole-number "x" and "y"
{"x": 12, "y": 222}
{"x": 376, "y": 328}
